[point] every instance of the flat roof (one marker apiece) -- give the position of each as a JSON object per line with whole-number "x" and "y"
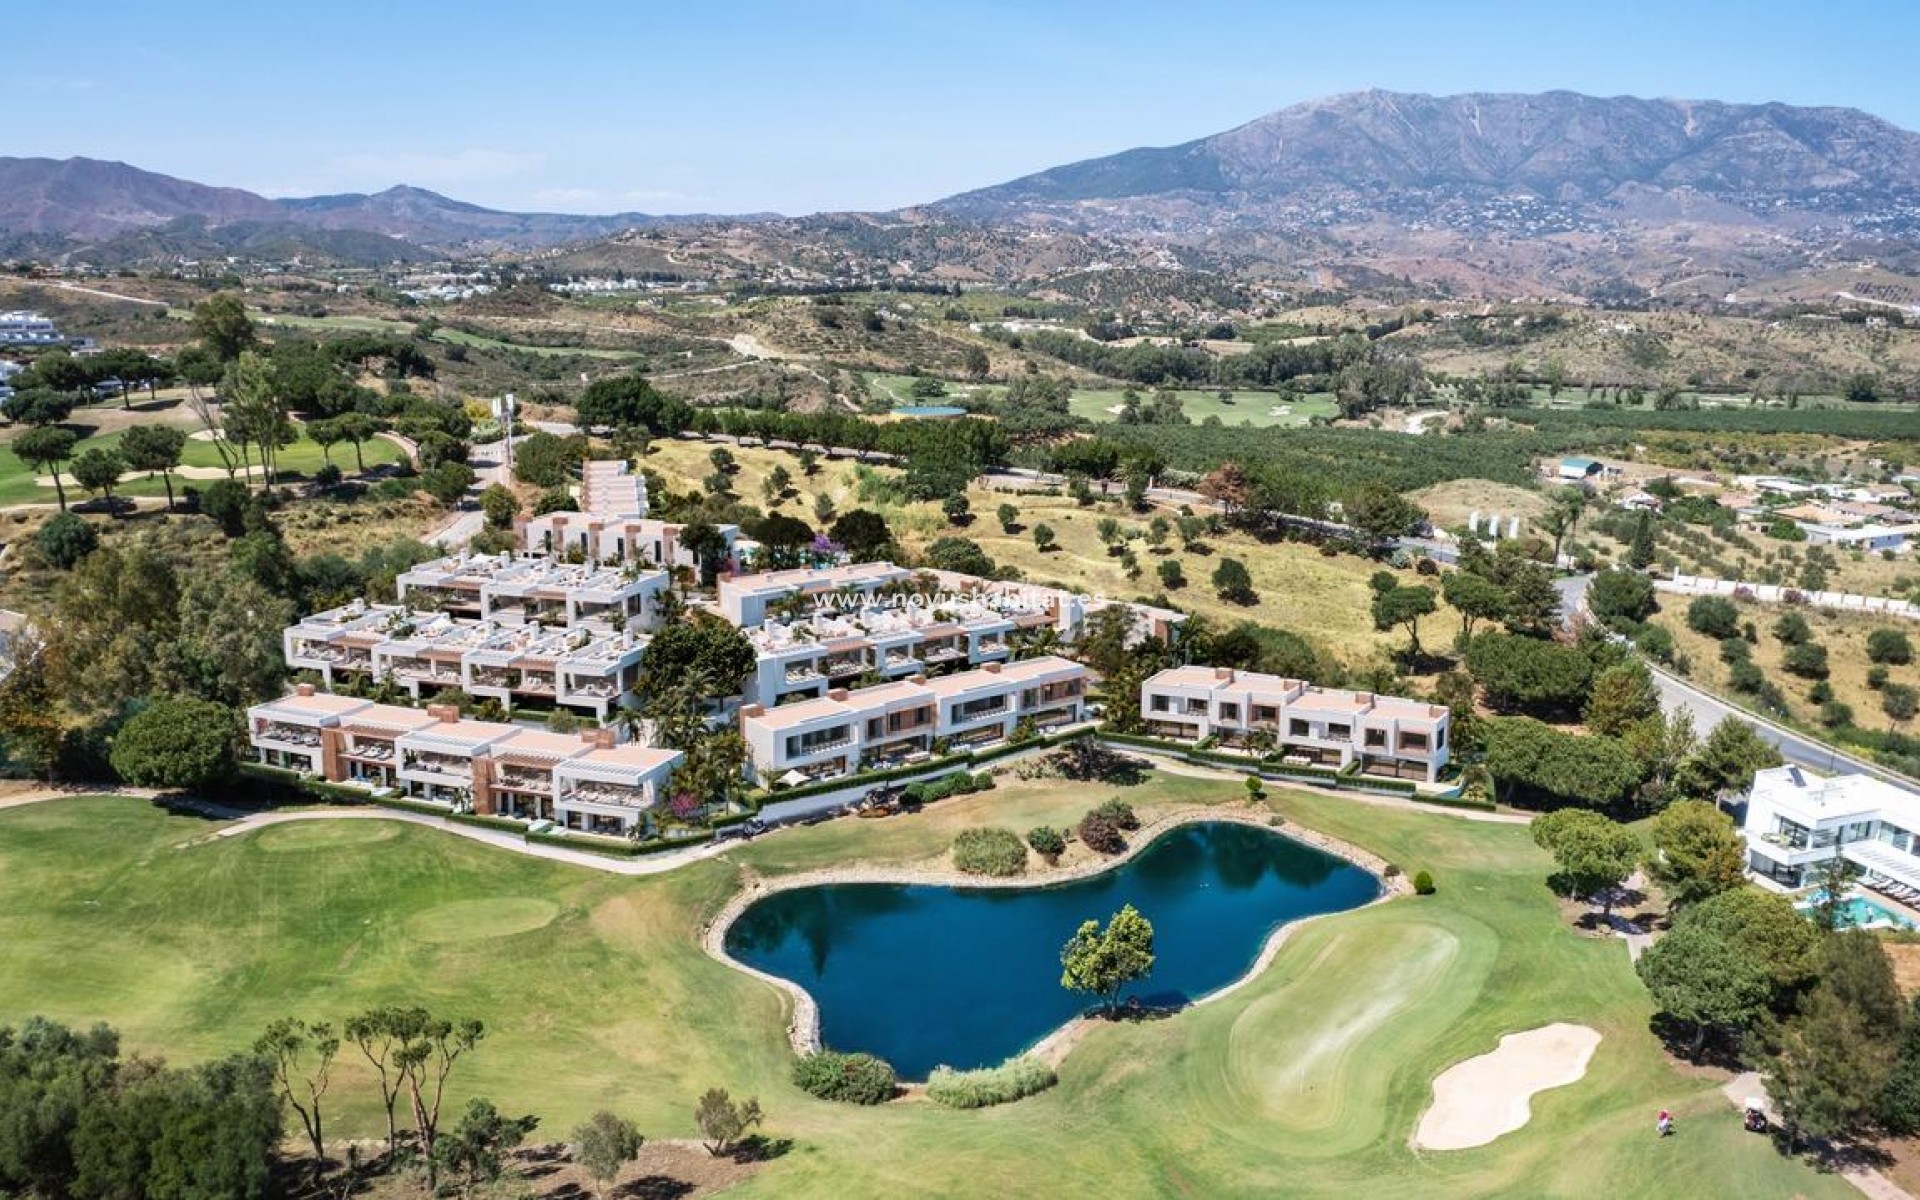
{"x": 820, "y": 708}
{"x": 319, "y": 704}
{"x": 645, "y": 758}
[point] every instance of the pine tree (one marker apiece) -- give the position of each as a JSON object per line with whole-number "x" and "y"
{"x": 1640, "y": 550}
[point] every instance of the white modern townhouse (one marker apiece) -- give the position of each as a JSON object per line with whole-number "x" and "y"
{"x": 1307, "y": 725}
{"x": 613, "y": 527}
{"x": 534, "y": 589}
{"x": 586, "y": 782}
{"x": 805, "y": 656}
{"x": 846, "y": 731}
{"x": 586, "y": 668}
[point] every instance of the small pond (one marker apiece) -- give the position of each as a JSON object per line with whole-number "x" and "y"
{"x": 929, "y": 410}
{"x": 925, "y": 974}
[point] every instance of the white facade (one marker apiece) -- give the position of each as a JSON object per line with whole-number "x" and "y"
{"x": 1796, "y": 820}
{"x": 806, "y": 656}
{"x": 583, "y": 782}
{"x": 587, "y": 668}
{"x": 845, "y": 731}
{"x": 519, "y": 590}
{"x": 1317, "y": 726}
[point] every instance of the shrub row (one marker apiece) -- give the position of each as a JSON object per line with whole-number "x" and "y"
{"x": 989, "y": 851}
{"x": 957, "y": 784}
{"x": 1267, "y": 768}
{"x": 1012, "y": 1080}
{"x": 848, "y": 1078}
{"x": 334, "y": 793}
{"x": 866, "y": 779}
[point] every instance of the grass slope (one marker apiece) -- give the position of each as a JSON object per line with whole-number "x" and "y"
{"x": 1307, "y": 1082}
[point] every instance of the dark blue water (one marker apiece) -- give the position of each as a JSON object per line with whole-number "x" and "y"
{"x": 922, "y": 975}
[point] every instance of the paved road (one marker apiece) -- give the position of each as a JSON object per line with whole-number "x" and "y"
{"x": 1708, "y": 710}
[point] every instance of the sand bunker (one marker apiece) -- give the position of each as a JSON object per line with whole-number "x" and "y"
{"x": 1481, "y": 1099}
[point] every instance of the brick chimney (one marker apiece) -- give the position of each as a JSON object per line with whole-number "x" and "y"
{"x": 303, "y": 689}
{"x": 444, "y": 712}
{"x": 992, "y": 668}
{"x": 599, "y": 739}
{"x": 1223, "y": 674}
{"x": 753, "y": 710}
{"x": 916, "y": 678}
{"x": 837, "y": 693}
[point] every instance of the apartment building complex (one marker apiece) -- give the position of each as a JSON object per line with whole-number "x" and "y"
{"x": 1329, "y": 727}
{"x": 585, "y": 782}
{"x": 805, "y": 656}
{"x": 587, "y": 668}
{"x": 612, "y": 525}
{"x": 845, "y": 731}
{"x": 533, "y": 589}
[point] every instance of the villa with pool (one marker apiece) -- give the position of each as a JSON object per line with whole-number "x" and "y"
{"x": 1796, "y": 820}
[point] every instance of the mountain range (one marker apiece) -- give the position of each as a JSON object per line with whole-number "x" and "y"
{"x": 87, "y": 200}
{"x": 1556, "y": 192}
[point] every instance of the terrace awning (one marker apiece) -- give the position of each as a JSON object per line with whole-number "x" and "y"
{"x": 1886, "y": 859}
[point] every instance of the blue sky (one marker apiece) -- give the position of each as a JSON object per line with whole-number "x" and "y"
{"x": 667, "y": 106}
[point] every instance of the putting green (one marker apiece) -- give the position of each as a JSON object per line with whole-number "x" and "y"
{"x": 478, "y": 920}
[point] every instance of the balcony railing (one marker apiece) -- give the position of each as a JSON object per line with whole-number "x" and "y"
{"x": 600, "y": 688}
{"x": 807, "y": 750}
{"x": 526, "y": 781}
{"x": 292, "y": 735}
{"x": 605, "y": 793}
{"x": 440, "y": 764}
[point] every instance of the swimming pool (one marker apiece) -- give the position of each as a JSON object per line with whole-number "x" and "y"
{"x": 1861, "y": 912}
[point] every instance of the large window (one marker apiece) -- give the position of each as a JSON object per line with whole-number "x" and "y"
{"x": 807, "y": 743}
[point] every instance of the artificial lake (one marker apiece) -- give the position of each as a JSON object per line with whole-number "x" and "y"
{"x": 924, "y": 974}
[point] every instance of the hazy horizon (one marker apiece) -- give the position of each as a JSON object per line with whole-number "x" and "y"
{"x": 852, "y": 106}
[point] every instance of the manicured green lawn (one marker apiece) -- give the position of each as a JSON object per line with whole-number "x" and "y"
{"x": 1307, "y": 1082}
{"x": 19, "y": 481}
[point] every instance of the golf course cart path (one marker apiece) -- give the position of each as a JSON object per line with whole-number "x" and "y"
{"x": 653, "y": 864}
{"x": 1749, "y": 1085}
{"x": 1485, "y": 1097}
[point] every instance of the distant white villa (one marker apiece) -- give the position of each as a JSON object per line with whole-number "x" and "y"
{"x": 1796, "y": 820}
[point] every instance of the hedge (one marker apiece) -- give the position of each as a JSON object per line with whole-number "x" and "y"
{"x": 989, "y": 850}
{"x": 865, "y": 779}
{"x": 1347, "y": 779}
{"x": 1013, "y": 1079}
{"x": 1457, "y": 802}
{"x": 849, "y": 1078}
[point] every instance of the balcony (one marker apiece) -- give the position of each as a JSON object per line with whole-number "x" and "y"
{"x": 605, "y": 793}
{"x": 288, "y": 735}
{"x": 439, "y": 764}
{"x": 899, "y": 659}
{"x": 798, "y": 749}
{"x": 535, "y": 685}
{"x": 379, "y": 752}
{"x": 940, "y": 654}
{"x": 527, "y": 780}
{"x": 845, "y": 666}
{"x": 426, "y": 673}
{"x": 805, "y": 673}
{"x": 601, "y": 689}
{"x": 493, "y": 679}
